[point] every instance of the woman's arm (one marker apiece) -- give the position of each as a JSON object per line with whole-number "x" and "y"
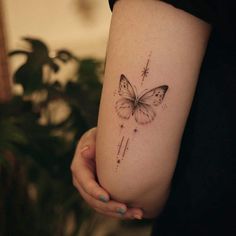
{"x": 84, "y": 179}
{"x": 154, "y": 56}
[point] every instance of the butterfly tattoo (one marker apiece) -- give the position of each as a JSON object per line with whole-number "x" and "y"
{"x": 141, "y": 107}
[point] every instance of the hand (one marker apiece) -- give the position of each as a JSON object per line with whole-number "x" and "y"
{"x": 83, "y": 169}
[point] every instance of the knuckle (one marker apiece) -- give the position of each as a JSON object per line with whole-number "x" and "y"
{"x": 91, "y": 187}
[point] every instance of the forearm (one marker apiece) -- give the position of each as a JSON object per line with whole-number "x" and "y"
{"x": 137, "y": 152}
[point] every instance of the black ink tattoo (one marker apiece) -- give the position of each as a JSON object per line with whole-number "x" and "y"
{"x": 141, "y": 106}
{"x": 120, "y": 146}
{"x": 135, "y": 130}
{"x": 122, "y": 126}
{"x": 145, "y": 70}
{"x": 125, "y": 148}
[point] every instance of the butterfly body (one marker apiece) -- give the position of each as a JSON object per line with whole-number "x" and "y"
{"x": 136, "y": 102}
{"x": 142, "y": 107}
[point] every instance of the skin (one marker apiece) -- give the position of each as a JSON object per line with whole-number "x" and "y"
{"x": 84, "y": 179}
{"x": 177, "y": 41}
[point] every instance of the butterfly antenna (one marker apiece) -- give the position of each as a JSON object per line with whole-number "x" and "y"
{"x": 141, "y": 94}
{"x": 136, "y": 91}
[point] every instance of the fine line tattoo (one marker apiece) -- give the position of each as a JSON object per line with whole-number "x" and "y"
{"x": 120, "y": 146}
{"x": 141, "y": 106}
{"x": 125, "y": 148}
{"x": 145, "y": 70}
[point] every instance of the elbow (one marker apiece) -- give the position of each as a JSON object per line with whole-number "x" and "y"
{"x": 152, "y": 202}
{"x": 150, "y": 198}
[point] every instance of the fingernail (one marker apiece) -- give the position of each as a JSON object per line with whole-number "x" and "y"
{"x": 121, "y": 211}
{"x": 84, "y": 149}
{"x": 103, "y": 198}
{"x": 138, "y": 216}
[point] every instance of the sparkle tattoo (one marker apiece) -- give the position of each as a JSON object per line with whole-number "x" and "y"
{"x": 141, "y": 107}
{"x": 145, "y": 70}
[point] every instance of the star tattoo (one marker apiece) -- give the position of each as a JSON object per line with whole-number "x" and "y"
{"x": 145, "y": 70}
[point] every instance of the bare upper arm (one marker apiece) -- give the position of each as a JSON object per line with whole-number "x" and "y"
{"x": 142, "y": 115}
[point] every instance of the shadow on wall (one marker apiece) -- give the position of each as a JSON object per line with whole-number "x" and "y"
{"x": 39, "y": 131}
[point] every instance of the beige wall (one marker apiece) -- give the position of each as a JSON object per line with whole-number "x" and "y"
{"x": 61, "y": 23}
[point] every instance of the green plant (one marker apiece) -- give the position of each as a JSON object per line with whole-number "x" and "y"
{"x": 37, "y": 143}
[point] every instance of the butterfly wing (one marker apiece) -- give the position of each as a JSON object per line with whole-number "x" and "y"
{"x": 154, "y": 97}
{"x": 124, "y": 108}
{"x": 144, "y": 111}
{"x": 144, "y": 114}
{"x": 125, "y": 105}
{"x": 125, "y": 88}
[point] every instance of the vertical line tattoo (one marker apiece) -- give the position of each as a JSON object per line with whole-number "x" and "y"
{"x": 120, "y": 146}
{"x": 126, "y": 148}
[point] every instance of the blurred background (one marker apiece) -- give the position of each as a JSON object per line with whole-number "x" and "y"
{"x": 52, "y": 57}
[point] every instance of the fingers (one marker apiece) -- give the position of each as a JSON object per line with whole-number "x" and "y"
{"x": 91, "y": 187}
{"x": 84, "y": 171}
{"x": 112, "y": 208}
{"x": 127, "y": 216}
